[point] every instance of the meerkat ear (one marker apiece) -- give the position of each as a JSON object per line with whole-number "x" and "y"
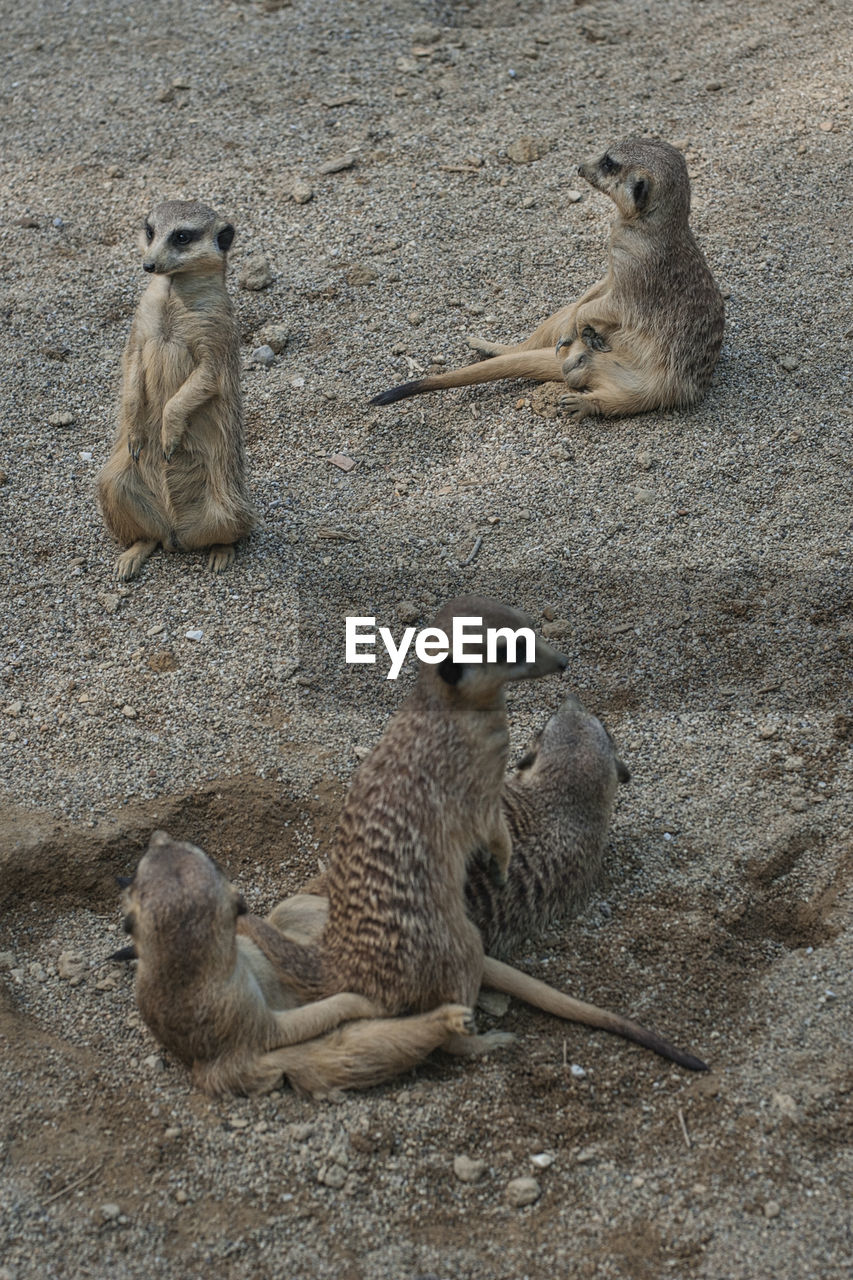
{"x": 225, "y": 238}
{"x": 451, "y": 672}
{"x": 240, "y": 905}
{"x": 641, "y": 192}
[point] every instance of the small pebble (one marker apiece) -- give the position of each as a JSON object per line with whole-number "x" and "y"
{"x": 526, "y": 150}
{"x": 338, "y": 164}
{"x": 301, "y": 192}
{"x": 574, "y": 196}
{"x": 415, "y": 317}
{"x": 275, "y": 336}
{"x": 360, "y": 274}
{"x": 522, "y": 1191}
{"x": 468, "y": 1170}
{"x": 772, "y": 1209}
{"x": 789, "y": 363}
{"x": 542, "y": 1160}
{"x": 332, "y": 1175}
{"x": 109, "y": 1212}
{"x": 264, "y": 355}
{"x": 128, "y": 712}
{"x": 181, "y": 1196}
{"x": 408, "y": 612}
{"x": 14, "y": 708}
{"x": 194, "y": 634}
{"x": 64, "y": 418}
{"x": 255, "y": 274}
{"x": 577, "y": 1071}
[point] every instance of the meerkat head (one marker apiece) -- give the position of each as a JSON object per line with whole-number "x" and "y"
{"x": 180, "y": 910}
{"x": 575, "y": 737}
{"x": 185, "y": 236}
{"x": 645, "y": 178}
{"x": 491, "y": 645}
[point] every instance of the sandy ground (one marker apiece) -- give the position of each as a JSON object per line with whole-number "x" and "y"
{"x": 692, "y": 565}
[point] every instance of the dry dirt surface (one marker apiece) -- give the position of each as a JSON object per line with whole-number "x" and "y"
{"x": 693, "y": 566}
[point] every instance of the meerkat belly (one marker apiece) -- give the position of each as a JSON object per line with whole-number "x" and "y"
{"x": 168, "y": 362}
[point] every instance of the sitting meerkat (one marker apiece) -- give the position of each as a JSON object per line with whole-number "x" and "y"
{"x": 176, "y": 475}
{"x": 213, "y": 1000}
{"x": 558, "y": 804}
{"x": 645, "y": 337}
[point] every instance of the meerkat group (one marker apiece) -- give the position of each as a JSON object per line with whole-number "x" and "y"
{"x": 437, "y": 859}
{"x": 647, "y": 336}
{"x": 394, "y": 927}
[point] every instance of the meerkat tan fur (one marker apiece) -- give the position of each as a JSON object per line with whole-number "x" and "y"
{"x": 420, "y": 804}
{"x": 558, "y": 804}
{"x": 214, "y": 1001}
{"x": 645, "y": 337}
{"x": 176, "y": 475}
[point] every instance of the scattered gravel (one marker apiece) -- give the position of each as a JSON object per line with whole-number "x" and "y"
{"x": 400, "y": 177}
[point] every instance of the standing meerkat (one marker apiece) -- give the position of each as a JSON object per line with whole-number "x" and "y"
{"x": 215, "y": 1002}
{"x": 177, "y": 473}
{"x": 645, "y": 337}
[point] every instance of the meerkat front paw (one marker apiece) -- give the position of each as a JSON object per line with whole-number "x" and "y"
{"x": 171, "y": 435}
{"x": 578, "y": 405}
{"x": 458, "y": 1019}
{"x": 221, "y": 555}
{"x": 135, "y": 445}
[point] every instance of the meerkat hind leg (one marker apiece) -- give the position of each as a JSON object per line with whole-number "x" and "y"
{"x": 221, "y": 556}
{"x": 131, "y": 561}
{"x": 485, "y": 348}
{"x": 362, "y": 1054}
{"x": 476, "y": 1046}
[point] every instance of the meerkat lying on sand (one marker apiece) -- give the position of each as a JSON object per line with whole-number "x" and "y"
{"x": 176, "y": 475}
{"x": 214, "y": 1001}
{"x": 645, "y": 337}
{"x": 558, "y": 805}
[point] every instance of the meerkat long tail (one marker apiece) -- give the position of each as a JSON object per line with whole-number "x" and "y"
{"x": 515, "y": 983}
{"x": 542, "y": 366}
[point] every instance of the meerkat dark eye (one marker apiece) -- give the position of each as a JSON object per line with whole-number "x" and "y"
{"x": 182, "y": 238}
{"x": 149, "y": 232}
{"x": 129, "y": 922}
{"x": 608, "y": 164}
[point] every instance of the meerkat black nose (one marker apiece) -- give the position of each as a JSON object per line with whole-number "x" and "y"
{"x": 148, "y": 266}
